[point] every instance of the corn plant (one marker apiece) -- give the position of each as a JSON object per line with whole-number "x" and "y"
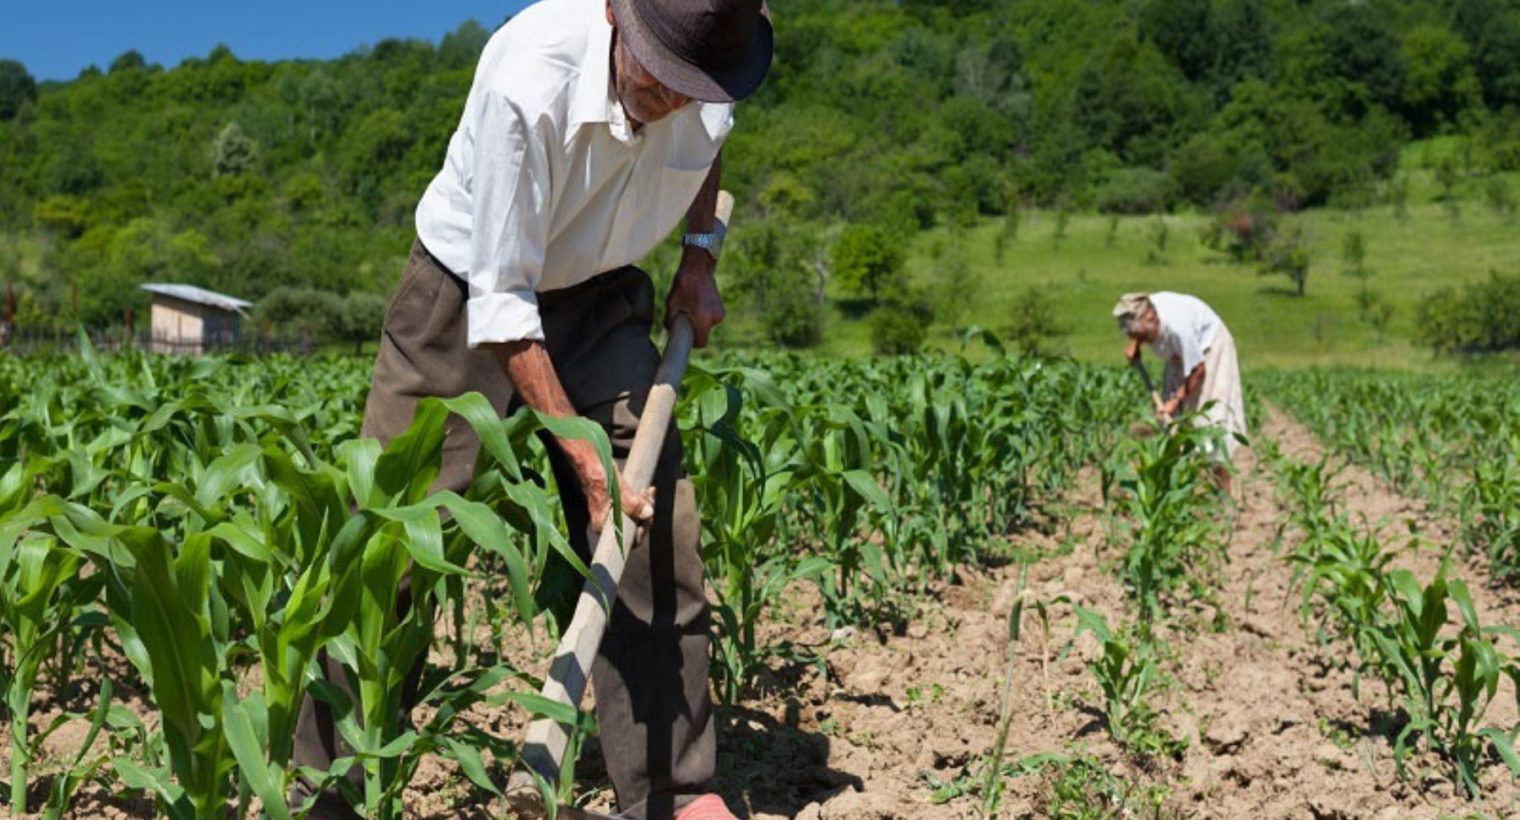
{"x": 41, "y": 593}
{"x": 1490, "y": 512}
{"x": 1445, "y": 674}
{"x": 1343, "y": 573}
{"x": 744, "y": 485}
{"x": 1127, "y": 672}
{"x": 1446, "y": 681}
{"x": 1164, "y": 505}
{"x": 1311, "y": 491}
{"x": 842, "y": 487}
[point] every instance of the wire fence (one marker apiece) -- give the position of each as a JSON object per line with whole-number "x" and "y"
{"x": 24, "y": 341}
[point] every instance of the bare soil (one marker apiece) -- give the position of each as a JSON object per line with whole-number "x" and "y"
{"x": 1272, "y": 726}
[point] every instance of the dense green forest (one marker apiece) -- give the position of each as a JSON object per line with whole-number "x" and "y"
{"x": 294, "y": 182}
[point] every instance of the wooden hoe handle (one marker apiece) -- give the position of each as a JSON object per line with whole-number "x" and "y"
{"x": 1145, "y": 376}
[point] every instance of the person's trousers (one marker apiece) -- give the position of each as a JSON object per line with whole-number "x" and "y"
{"x": 653, "y": 707}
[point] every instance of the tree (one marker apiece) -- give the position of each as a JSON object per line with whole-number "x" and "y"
{"x": 461, "y": 47}
{"x": 773, "y": 265}
{"x": 867, "y": 260}
{"x": 1034, "y": 328}
{"x": 128, "y": 61}
{"x": 1184, "y": 31}
{"x": 17, "y": 88}
{"x": 1441, "y": 84}
{"x": 314, "y": 315}
{"x": 1128, "y": 99}
{"x": 1288, "y": 255}
{"x": 234, "y": 152}
{"x": 1479, "y": 319}
{"x": 1491, "y": 28}
{"x": 957, "y": 286}
{"x": 360, "y": 318}
{"x": 901, "y": 325}
{"x": 1348, "y": 61}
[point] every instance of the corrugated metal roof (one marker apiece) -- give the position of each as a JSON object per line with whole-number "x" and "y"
{"x": 200, "y": 296}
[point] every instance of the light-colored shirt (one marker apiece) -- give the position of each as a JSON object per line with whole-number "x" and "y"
{"x": 546, "y": 184}
{"x": 1188, "y": 327}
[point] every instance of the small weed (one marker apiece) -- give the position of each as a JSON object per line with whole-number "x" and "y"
{"x": 917, "y": 694}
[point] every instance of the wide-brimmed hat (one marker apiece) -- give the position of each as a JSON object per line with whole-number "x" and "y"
{"x": 708, "y": 50}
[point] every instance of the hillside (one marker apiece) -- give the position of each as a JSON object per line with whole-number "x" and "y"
{"x": 900, "y": 119}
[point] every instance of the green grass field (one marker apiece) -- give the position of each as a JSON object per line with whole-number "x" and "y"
{"x": 1085, "y": 273}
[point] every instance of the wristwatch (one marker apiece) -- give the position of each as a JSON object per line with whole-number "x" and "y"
{"x": 710, "y": 242}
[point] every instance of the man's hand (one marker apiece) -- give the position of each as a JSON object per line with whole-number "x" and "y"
{"x": 1133, "y": 351}
{"x": 1169, "y": 408}
{"x": 636, "y": 505}
{"x": 695, "y": 294}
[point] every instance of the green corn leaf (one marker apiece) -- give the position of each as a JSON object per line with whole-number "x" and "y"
{"x": 247, "y": 739}
{"x": 244, "y": 540}
{"x": 471, "y": 764}
{"x": 485, "y": 528}
{"x": 489, "y": 427}
{"x": 1504, "y": 744}
{"x": 410, "y": 463}
{"x": 865, "y": 485}
{"x": 226, "y": 473}
{"x": 424, "y": 536}
{"x": 540, "y": 706}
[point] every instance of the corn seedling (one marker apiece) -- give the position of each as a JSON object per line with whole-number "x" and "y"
{"x": 1127, "y": 672}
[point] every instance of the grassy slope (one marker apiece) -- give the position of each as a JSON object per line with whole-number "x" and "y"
{"x": 1272, "y": 327}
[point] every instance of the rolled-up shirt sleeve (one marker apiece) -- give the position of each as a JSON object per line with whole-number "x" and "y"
{"x": 511, "y": 189}
{"x": 1188, "y": 349}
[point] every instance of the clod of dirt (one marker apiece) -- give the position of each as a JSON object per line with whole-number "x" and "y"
{"x": 1331, "y": 807}
{"x": 861, "y": 806}
{"x": 1226, "y": 735}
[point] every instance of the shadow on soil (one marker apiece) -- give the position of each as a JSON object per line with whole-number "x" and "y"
{"x": 766, "y": 766}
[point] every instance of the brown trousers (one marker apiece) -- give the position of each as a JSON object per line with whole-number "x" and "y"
{"x": 653, "y": 707}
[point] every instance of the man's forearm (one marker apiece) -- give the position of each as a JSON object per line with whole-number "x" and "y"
{"x": 701, "y": 218}
{"x": 534, "y": 378}
{"x": 701, "y": 215}
{"x": 1192, "y": 383}
{"x": 694, "y": 292}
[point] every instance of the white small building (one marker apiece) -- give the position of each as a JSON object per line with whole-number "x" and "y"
{"x": 191, "y": 320}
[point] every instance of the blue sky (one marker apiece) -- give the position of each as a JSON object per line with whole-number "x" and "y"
{"x": 55, "y": 39}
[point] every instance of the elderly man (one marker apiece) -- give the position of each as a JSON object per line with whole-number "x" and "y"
{"x": 591, "y": 128}
{"x": 1201, "y": 370}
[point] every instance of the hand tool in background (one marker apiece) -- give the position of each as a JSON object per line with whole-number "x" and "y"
{"x": 1145, "y": 376}
{"x": 543, "y": 753}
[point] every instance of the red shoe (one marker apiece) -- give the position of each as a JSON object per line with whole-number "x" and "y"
{"x": 706, "y": 807}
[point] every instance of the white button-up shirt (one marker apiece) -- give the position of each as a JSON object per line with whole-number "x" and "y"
{"x": 546, "y": 184}
{"x": 1188, "y": 328}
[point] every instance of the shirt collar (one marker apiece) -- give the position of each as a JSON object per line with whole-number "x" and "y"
{"x": 592, "y": 100}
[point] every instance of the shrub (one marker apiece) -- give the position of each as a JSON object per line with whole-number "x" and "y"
{"x": 1479, "y": 319}
{"x": 1035, "y": 329}
{"x": 1203, "y": 168}
{"x": 1137, "y": 191}
{"x": 867, "y": 259}
{"x": 793, "y": 316}
{"x": 1287, "y": 254}
{"x": 1243, "y": 227}
{"x": 901, "y": 324}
